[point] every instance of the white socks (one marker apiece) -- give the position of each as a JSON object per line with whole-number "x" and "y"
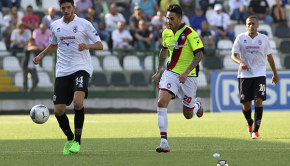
{"x": 162, "y": 119}
{"x": 196, "y": 107}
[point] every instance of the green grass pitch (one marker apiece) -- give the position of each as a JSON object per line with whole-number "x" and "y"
{"x": 131, "y": 139}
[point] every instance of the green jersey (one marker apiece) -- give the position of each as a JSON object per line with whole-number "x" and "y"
{"x": 182, "y": 45}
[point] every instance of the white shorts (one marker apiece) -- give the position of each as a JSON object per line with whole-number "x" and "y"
{"x": 186, "y": 92}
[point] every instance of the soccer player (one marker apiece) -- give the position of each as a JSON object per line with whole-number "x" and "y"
{"x": 251, "y": 50}
{"x": 180, "y": 77}
{"x": 71, "y": 37}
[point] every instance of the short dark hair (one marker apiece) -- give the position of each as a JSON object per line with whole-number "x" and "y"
{"x": 64, "y": 1}
{"x": 253, "y": 16}
{"x": 174, "y": 8}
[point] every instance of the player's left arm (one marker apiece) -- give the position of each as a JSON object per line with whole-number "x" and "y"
{"x": 197, "y": 58}
{"x": 197, "y": 47}
{"x": 271, "y": 62}
{"x": 93, "y": 35}
{"x": 96, "y": 46}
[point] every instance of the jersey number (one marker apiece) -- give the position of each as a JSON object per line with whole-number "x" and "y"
{"x": 262, "y": 87}
{"x": 187, "y": 99}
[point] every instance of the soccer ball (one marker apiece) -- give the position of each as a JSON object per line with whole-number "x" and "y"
{"x": 39, "y": 114}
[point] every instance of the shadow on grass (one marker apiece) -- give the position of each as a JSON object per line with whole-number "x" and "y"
{"x": 141, "y": 151}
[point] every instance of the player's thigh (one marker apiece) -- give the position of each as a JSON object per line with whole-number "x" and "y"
{"x": 259, "y": 88}
{"x": 246, "y": 89}
{"x": 187, "y": 92}
{"x": 164, "y": 98}
{"x": 63, "y": 90}
{"x": 81, "y": 83}
{"x": 168, "y": 86}
{"x": 169, "y": 81}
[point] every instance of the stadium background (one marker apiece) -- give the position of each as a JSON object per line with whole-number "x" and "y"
{"x": 127, "y": 73}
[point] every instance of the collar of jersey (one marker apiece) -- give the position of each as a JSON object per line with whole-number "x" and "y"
{"x": 181, "y": 26}
{"x": 72, "y": 20}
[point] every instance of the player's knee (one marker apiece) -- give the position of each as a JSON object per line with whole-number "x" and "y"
{"x": 58, "y": 112}
{"x": 162, "y": 103}
{"x": 78, "y": 104}
{"x": 59, "y": 109}
{"x": 258, "y": 102}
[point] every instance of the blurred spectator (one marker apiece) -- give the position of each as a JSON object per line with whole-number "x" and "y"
{"x": 16, "y": 3}
{"x": 203, "y": 5}
{"x": 187, "y": 4}
{"x": 279, "y": 13}
{"x": 185, "y": 20}
{"x": 19, "y": 38}
{"x": 10, "y": 21}
{"x": 134, "y": 20}
{"x": 98, "y": 25}
{"x": 50, "y": 17}
{"x": 145, "y": 37}
{"x": 30, "y": 20}
{"x": 221, "y": 24}
{"x": 195, "y": 21}
{"x": 27, "y": 65}
{"x": 149, "y": 7}
{"x": 112, "y": 18}
{"x": 41, "y": 36}
{"x": 261, "y": 9}
{"x": 121, "y": 37}
{"x": 188, "y": 7}
{"x": 165, "y": 3}
{"x": 5, "y": 3}
{"x": 208, "y": 38}
{"x": 2, "y": 24}
{"x": 238, "y": 10}
{"x": 164, "y": 26}
{"x": 82, "y": 7}
{"x": 157, "y": 22}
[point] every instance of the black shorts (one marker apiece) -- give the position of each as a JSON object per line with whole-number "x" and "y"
{"x": 64, "y": 87}
{"x": 250, "y": 88}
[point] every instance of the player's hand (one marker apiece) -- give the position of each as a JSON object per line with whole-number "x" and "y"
{"x": 244, "y": 66}
{"x": 83, "y": 46}
{"x": 36, "y": 60}
{"x": 182, "y": 78}
{"x": 275, "y": 79}
{"x": 155, "y": 77}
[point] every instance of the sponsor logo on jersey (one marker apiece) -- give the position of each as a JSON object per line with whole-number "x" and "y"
{"x": 58, "y": 29}
{"x": 176, "y": 46}
{"x": 54, "y": 97}
{"x": 245, "y": 41}
{"x": 196, "y": 37}
{"x": 260, "y": 42}
{"x": 67, "y": 38}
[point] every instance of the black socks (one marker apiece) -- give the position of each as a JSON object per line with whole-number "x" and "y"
{"x": 79, "y": 121}
{"x": 248, "y": 117}
{"x": 258, "y": 118}
{"x": 64, "y": 125}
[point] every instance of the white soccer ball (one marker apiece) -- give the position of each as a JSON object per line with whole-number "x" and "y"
{"x": 216, "y": 155}
{"x": 39, "y": 114}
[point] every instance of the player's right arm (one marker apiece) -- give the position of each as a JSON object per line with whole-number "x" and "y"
{"x": 49, "y": 49}
{"x": 162, "y": 58}
{"x": 235, "y": 58}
